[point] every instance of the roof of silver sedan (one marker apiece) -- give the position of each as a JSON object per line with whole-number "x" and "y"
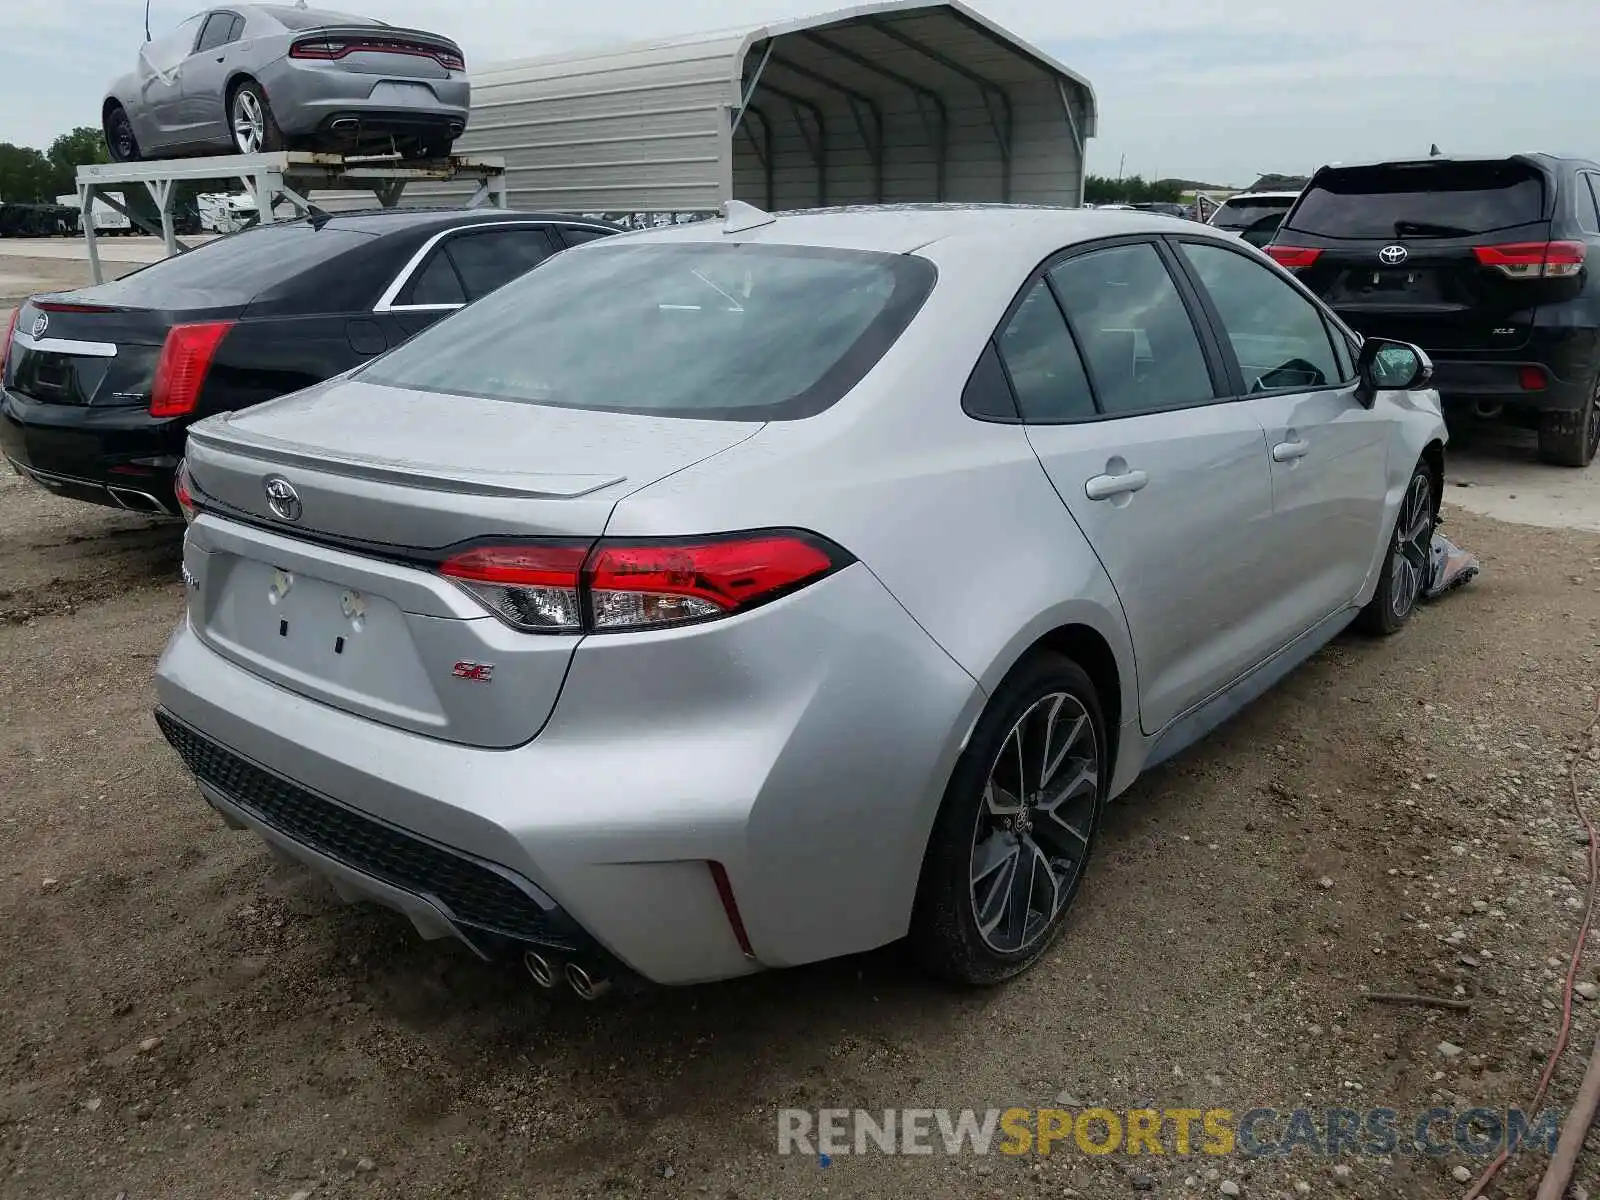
{"x": 903, "y": 228}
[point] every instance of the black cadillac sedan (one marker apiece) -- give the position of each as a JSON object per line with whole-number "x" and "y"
{"x": 99, "y": 386}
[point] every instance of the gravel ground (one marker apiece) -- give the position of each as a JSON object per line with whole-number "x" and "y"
{"x": 189, "y": 1019}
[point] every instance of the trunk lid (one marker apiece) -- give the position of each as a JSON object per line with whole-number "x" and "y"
{"x": 344, "y": 605}
{"x": 73, "y": 350}
{"x": 1398, "y": 249}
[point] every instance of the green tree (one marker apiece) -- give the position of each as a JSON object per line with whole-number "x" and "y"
{"x": 25, "y": 175}
{"x": 1134, "y": 189}
{"x": 67, "y": 153}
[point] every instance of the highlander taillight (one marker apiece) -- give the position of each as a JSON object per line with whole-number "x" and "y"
{"x": 181, "y": 370}
{"x": 1294, "y": 257}
{"x": 1533, "y": 260}
{"x": 621, "y": 584}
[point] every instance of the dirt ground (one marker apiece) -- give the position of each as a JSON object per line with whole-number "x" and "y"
{"x": 185, "y": 1018}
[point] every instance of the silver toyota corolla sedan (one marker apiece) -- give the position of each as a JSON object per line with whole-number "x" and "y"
{"x": 747, "y": 593}
{"x": 261, "y": 77}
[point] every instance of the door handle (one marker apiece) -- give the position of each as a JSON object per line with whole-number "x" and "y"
{"x": 1289, "y": 451}
{"x": 1107, "y": 487}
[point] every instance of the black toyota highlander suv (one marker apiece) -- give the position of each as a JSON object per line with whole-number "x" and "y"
{"x": 1489, "y": 264}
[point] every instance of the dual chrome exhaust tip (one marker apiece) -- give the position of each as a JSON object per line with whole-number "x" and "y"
{"x": 547, "y": 974}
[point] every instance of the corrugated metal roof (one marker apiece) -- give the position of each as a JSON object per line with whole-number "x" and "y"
{"x": 893, "y": 101}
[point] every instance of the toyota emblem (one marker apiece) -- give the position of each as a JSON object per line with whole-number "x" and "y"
{"x": 40, "y": 324}
{"x": 1393, "y": 256}
{"x": 282, "y": 499}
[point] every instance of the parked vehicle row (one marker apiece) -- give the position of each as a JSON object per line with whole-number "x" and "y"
{"x": 1485, "y": 262}
{"x": 248, "y": 78}
{"x": 98, "y": 387}
{"x": 647, "y": 533}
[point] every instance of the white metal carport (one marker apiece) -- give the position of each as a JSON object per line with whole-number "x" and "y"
{"x": 894, "y": 102}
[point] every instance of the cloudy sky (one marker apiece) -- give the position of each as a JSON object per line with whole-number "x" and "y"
{"x": 1204, "y": 89}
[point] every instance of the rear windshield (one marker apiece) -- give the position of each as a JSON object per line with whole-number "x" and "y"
{"x": 308, "y": 18}
{"x": 729, "y": 332}
{"x": 231, "y": 270}
{"x": 1425, "y": 200}
{"x": 1241, "y": 214}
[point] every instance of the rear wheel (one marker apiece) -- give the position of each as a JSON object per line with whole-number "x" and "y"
{"x": 1570, "y": 439}
{"x": 121, "y": 143}
{"x": 255, "y": 131}
{"x": 1407, "y": 565}
{"x": 1013, "y": 835}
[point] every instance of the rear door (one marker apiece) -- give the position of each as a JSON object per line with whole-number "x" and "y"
{"x": 1450, "y": 255}
{"x": 205, "y": 75}
{"x": 1169, "y": 485}
{"x": 1328, "y": 452}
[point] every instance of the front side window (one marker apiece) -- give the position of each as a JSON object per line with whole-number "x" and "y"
{"x": 166, "y": 53}
{"x": 1277, "y": 335}
{"x": 1142, "y": 350}
{"x": 715, "y": 331}
{"x": 1045, "y": 370}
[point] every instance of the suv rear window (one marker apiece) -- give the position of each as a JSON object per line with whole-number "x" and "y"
{"x": 1419, "y": 201}
{"x": 1241, "y": 214}
{"x": 726, "y": 332}
{"x": 231, "y": 270}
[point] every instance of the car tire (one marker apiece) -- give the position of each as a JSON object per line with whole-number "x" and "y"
{"x": 1570, "y": 439}
{"x": 250, "y": 121}
{"x": 996, "y": 819}
{"x": 122, "y": 144}
{"x": 1407, "y": 561}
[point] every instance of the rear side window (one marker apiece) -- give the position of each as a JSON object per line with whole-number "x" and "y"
{"x": 1445, "y": 200}
{"x": 741, "y": 332}
{"x": 233, "y": 269}
{"x": 1045, "y": 370}
{"x": 1135, "y": 330}
{"x": 436, "y": 283}
{"x": 218, "y": 31}
{"x": 1587, "y": 202}
{"x": 493, "y": 258}
{"x": 577, "y": 237}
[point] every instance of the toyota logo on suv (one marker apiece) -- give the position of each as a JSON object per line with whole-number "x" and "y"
{"x": 1393, "y": 256}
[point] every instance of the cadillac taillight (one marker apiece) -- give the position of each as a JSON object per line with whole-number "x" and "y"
{"x": 181, "y": 370}
{"x": 618, "y": 585}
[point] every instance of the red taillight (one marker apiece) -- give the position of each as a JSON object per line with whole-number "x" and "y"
{"x": 183, "y": 491}
{"x": 531, "y": 587}
{"x": 60, "y": 307}
{"x": 1531, "y": 379}
{"x": 11, "y": 328}
{"x": 730, "y": 906}
{"x": 333, "y": 49}
{"x": 1533, "y": 260}
{"x": 325, "y": 48}
{"x": 181, "y": 371}
{"x": 558, "y": 587}
{"x": 1293, "y": 257}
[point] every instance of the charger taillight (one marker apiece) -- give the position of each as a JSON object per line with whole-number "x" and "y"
{"x": 333, "y": 49}
{"x": 1533, "y": 260}
{"x": 620, "y": 584}
{"x": 181, "y": 370}
{"x": 1294, "y": 257}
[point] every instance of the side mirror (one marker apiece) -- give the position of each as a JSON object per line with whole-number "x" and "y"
{"x": 1388, "y": 366}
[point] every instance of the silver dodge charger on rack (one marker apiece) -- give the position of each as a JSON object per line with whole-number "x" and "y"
{"x": 261, "y": 77}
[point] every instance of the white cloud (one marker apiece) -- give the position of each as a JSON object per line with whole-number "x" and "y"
{"x": 1209, "y": 89}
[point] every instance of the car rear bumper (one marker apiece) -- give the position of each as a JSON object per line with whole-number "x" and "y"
{"x": 308, "y": 96}
{"x": 1461, "y": 384}
{"x": 122, "y": 457}
{"x": 804, "y": 747}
